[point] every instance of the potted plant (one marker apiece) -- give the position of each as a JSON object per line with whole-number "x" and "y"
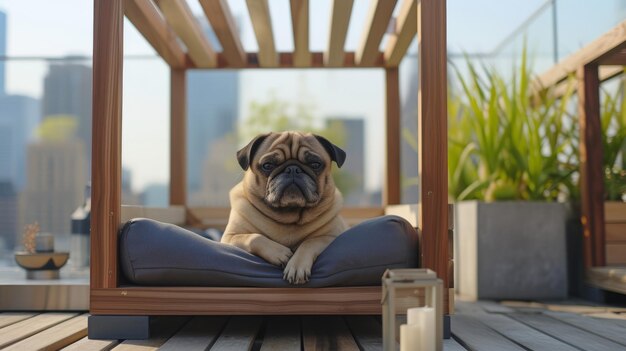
{"x": 511, "y": 158}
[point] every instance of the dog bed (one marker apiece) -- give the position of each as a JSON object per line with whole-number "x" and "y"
{"x": 161, "y": 254}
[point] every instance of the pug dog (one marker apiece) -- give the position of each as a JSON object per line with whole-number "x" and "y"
{"x": 286, "y": 209}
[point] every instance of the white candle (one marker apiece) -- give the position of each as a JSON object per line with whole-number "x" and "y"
{"x": 425, "y": 318}
{"x": 410, "y": 337}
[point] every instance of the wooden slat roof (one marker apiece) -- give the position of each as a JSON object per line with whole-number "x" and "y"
{"x": 178, "y": 15}
{"x": 339, "y": 21}
{"x": 404, "y": 31}
{"x": 176, "y": 35}
{"x": 262, "y": 24}
{"x": 144, "y": 15}
{"x": 300, "y": 23}
{"x": 223, "y": 23}
{"x": 378, "y": 18}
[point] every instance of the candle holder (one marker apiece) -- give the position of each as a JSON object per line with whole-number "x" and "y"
{"x": 409, "y": 288}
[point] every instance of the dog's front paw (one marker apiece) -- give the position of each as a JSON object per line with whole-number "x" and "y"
{"x": 298, "y": 271}
{"x": 276, "y": 254}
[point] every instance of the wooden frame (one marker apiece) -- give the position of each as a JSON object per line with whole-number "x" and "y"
{"x": 591, "y": 65}
{"x": 591, "y": 171}
{"x": 108, "y": 294}
{"x": 178, "y": 137}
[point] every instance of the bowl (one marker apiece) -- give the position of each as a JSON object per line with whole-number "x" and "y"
{"x": 41, "y": 260}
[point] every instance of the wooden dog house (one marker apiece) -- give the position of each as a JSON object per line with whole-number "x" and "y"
{"x": 167, "y": 23}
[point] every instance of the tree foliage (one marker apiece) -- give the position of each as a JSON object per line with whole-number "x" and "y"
{"x": 279, "y": 116}
{"x": 58, "y": 128}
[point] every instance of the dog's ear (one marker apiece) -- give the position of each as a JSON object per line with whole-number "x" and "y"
{"x": 335, "y": 152}
{"x": 246, "y": 154}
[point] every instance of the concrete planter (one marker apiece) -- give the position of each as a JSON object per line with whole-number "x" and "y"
{"x": 511, "y": 250}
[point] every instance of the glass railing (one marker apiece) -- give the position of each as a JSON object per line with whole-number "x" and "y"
{"x": 557, "y": 29}
{"x": 56, "y": 89}
{"x": 45, "y": 134}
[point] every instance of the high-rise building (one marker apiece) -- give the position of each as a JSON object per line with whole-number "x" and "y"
{"x": 155, "y": 195}
{"x": 67, "y": 91}
{"x": 219, "y": 174}
{"x": 212, "y": 112}
{"x": 8, "y": 215}
{"x": 128, "y": 196}
{"x": 55, "y": 184}
{"x": 354, "y": 165}
{"x": 3, "y": 50}
{"x": 19, "y": 116}
{"x": 408, "y": 122}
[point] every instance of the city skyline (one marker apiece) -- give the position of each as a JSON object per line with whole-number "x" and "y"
{"x": 146, "y": 143}
{"x": 147, "y": 81}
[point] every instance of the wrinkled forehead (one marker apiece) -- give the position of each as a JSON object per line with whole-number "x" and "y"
{"x": 292, "y": 145}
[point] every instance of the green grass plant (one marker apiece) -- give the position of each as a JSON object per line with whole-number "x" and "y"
{"x": 613, "y": 122}
{"x": 505, "y": 143}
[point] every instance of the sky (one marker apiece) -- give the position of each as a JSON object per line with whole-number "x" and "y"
{"x": 64, "y": 27}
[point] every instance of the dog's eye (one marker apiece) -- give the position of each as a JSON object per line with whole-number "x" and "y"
{"x": 267, "y": 166}
{"x": 316, "y": 165}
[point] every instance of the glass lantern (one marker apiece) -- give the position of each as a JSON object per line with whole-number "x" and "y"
{"x": 405, "y": 289}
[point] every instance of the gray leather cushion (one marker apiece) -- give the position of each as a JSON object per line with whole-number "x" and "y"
{"x": 155, "y": 253}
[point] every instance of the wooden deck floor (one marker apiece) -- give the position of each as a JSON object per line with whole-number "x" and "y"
{"x": 476, "y": 326}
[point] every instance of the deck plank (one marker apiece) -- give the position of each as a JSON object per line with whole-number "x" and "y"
{"x": 198, "y": 334}
{"x": 609, "y": 315}
{"x": 367, "y": 332}
{"x": 160, "y": 331}
{"x": 8, "y": 318}
{"x": 606, "y": 329}
{"x": 282, "y": 333}
{"x": 478, "y": 336}
{"x": 465, "y": 307}
{"x": 572, "y": 306}
{"x": 327, "y": 333}
{"x": 494, "y": 307}
{"x": 478, "y": 326}
{"x": 239, "y": 334}
{"x": 452, "y": 345}
{"x": 85, "y": 344}
{"x": 31, "y": 326}
{"x": 524, "y": 306}
{"x": 584, "y": 309}
{"x": 567, "y": 333}
{"x": 523, "y": 334}
{"x": 571, "y": 301}
{"x": 55, "y": 337}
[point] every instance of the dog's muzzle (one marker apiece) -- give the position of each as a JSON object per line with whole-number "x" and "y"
{"x": 292, "y": 187}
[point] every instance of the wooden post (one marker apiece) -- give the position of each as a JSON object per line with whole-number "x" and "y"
{"x": 106, "y": 171}
{"x": 433, "y": 142}
{"x": 178, "y": 138}
{"x": 591, "y": 170}
{"x": 391, "y": 191}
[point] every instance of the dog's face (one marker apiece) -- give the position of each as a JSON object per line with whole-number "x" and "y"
{"x": 289, "y": 170}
